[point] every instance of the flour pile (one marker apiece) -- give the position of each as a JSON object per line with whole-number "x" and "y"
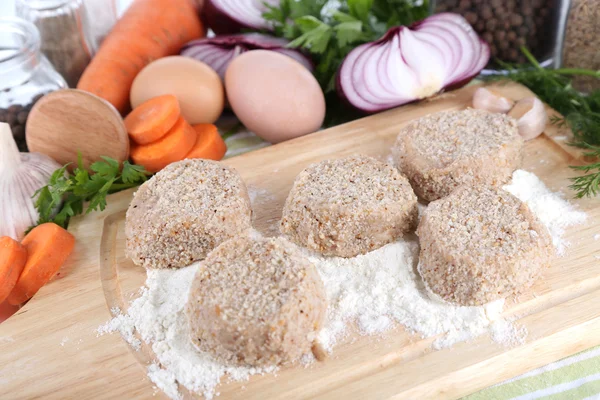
{"x": 554, "y": 211}
{"x": 158, "y": 316}
{"x": 376, "y": 291}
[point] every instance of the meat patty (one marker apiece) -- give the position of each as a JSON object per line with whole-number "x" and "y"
{"x": 348, "y": 206}
{"x": 256, "y": 302}
{"x": 183, "y": 212}
{"x": 481, "y": 244}
{"x": 443, "y": 151}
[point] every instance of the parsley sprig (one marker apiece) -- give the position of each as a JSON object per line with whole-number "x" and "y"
{"x": 330, "y": 34}
{"x": 66, "y": 192}
{"x": 581, "y": 113}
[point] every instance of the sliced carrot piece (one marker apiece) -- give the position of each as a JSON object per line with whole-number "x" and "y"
{"x": 170, "y": 148}
{"x": 12, "y": 260}
{"x": 152, "y": 119}
{"x": 209, "y": 143}
{"x": 48, "y": 246}
{"x": 6, "y": 310}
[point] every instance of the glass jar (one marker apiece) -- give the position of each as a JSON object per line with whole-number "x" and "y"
{"x": 102, "y": 15}
{"x": 582, "y": 42}
{"x": 506, "y": 25}
{"x": 25, "y": 74}
{"x": 65, "y": 33}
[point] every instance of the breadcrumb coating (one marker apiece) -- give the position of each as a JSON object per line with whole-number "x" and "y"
{"x": 256, "y": 301}
{"x": 349, "y": 206}
{"x": 443, "y": 151}
{"x": 183, "y": 212}
{"x": 481, "y": 244}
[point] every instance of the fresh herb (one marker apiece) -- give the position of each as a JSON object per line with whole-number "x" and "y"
{"x": 330, "y": 30}
{"x": 74, "y": 189}
{"x": 588, "y": 184}
{"x": 581, "y": 113}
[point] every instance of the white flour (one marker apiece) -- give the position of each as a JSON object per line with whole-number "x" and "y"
{"x": 376, "y": 291}
{"x": 554, "y": 212}
{"x": 381, "y": 288}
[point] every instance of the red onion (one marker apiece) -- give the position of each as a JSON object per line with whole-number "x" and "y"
{"x": 411, "y": 63}
{"x": 232, "y": 16}
{"x": 217, "y": 52}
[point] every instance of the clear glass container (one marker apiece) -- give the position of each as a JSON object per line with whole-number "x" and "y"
{"x": 506, "y": 25}
{"x": 65, "y": 34}
{"x": 582, "y": 42}
{"x": 25, "y": 74}
{"x": 102, "y": 15}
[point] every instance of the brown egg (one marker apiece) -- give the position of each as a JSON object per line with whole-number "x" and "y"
{"x": 274, "y": 96}
{"x": 197, "y": 87}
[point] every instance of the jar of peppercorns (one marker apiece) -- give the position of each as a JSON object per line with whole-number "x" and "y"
{"x": 508, "y": 25}
{"x": 25, "y": 74}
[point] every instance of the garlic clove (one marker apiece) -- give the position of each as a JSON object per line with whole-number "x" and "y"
{"x": 492, "y": 101}
{"x": 531, "y": 116}
{"x": 21, "y": 175}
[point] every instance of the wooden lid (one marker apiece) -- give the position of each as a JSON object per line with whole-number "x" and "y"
{"x": 70, "y": 121}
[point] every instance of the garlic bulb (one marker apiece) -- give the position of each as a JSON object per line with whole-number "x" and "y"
{"x": 489, "y": 100}
{"x": 531, "y": 116}
{"x": 21, "y": 175}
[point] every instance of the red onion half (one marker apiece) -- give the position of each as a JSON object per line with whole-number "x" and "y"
{"x": 217, "y": 52}
{"x": 411, "y": 63}
{"x": 231, "y": 16}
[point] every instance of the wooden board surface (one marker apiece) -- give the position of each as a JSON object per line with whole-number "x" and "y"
{"x": 50, "y": 348}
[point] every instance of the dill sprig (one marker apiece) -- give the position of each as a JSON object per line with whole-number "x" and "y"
{"x": 588, "y": 184}
{"x": 580, "y": 111}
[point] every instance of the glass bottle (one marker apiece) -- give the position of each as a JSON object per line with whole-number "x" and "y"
{"x": 582, "y": 42}
{"x": 102, "y": 15}
{"x": 65, "y": 33}
{"x": 25, "y": 74}
{"x": 506, "y": 25}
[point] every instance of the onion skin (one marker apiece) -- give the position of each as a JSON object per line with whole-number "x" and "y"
{"x": 233, "y": 45}
{"x": 222, "y": 21}
{"x": 218, "y": 21}
{"x": 407, "y": 64}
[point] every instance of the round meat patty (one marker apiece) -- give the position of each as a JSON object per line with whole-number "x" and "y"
{"x": 183, "y": 212}
{"x": 257, "y": 302}
{"x": 348, "y": 206}
{"x": 481, "y": 244}
{"x": 443, "y": 151}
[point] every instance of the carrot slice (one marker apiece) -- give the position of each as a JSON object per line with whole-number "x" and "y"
{"x": 152, "y": 119}
{"x": 48, "y": 246}
{"x": 170, "y": 148}
{"x": 6, "y": 310}
{"x": 209, "y": 143}
{"x": 12, "y": 260}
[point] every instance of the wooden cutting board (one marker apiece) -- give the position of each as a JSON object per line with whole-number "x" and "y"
{"x": 50, "y": 348}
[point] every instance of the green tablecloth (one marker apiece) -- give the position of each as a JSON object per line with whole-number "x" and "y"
{"x": 574, "y": 378}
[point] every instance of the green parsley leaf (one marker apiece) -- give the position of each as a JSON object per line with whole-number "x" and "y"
{"x": 328, "y": 32}
{"x": 360, "y": 9}
{"x": 66, "y": 192}
{"x": 348, "y": 32}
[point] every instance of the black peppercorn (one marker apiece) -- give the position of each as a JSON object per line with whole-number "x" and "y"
{"x": 516, "y": 22}
{"x": 16, "y": 116}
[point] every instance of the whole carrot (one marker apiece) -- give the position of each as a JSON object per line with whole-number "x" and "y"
{"x": 148, "y": 30}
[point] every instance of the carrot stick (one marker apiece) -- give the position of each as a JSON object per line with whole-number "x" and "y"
{"x": 48, "y": 246}
{"x": 152, "y": 119}
{"x": 209, "y": 143}
{"x": 149, "y": 29}
{"x": 6, "y": 310}
{"x": 170, "y": 148}
{"x": 12, "y": 260}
